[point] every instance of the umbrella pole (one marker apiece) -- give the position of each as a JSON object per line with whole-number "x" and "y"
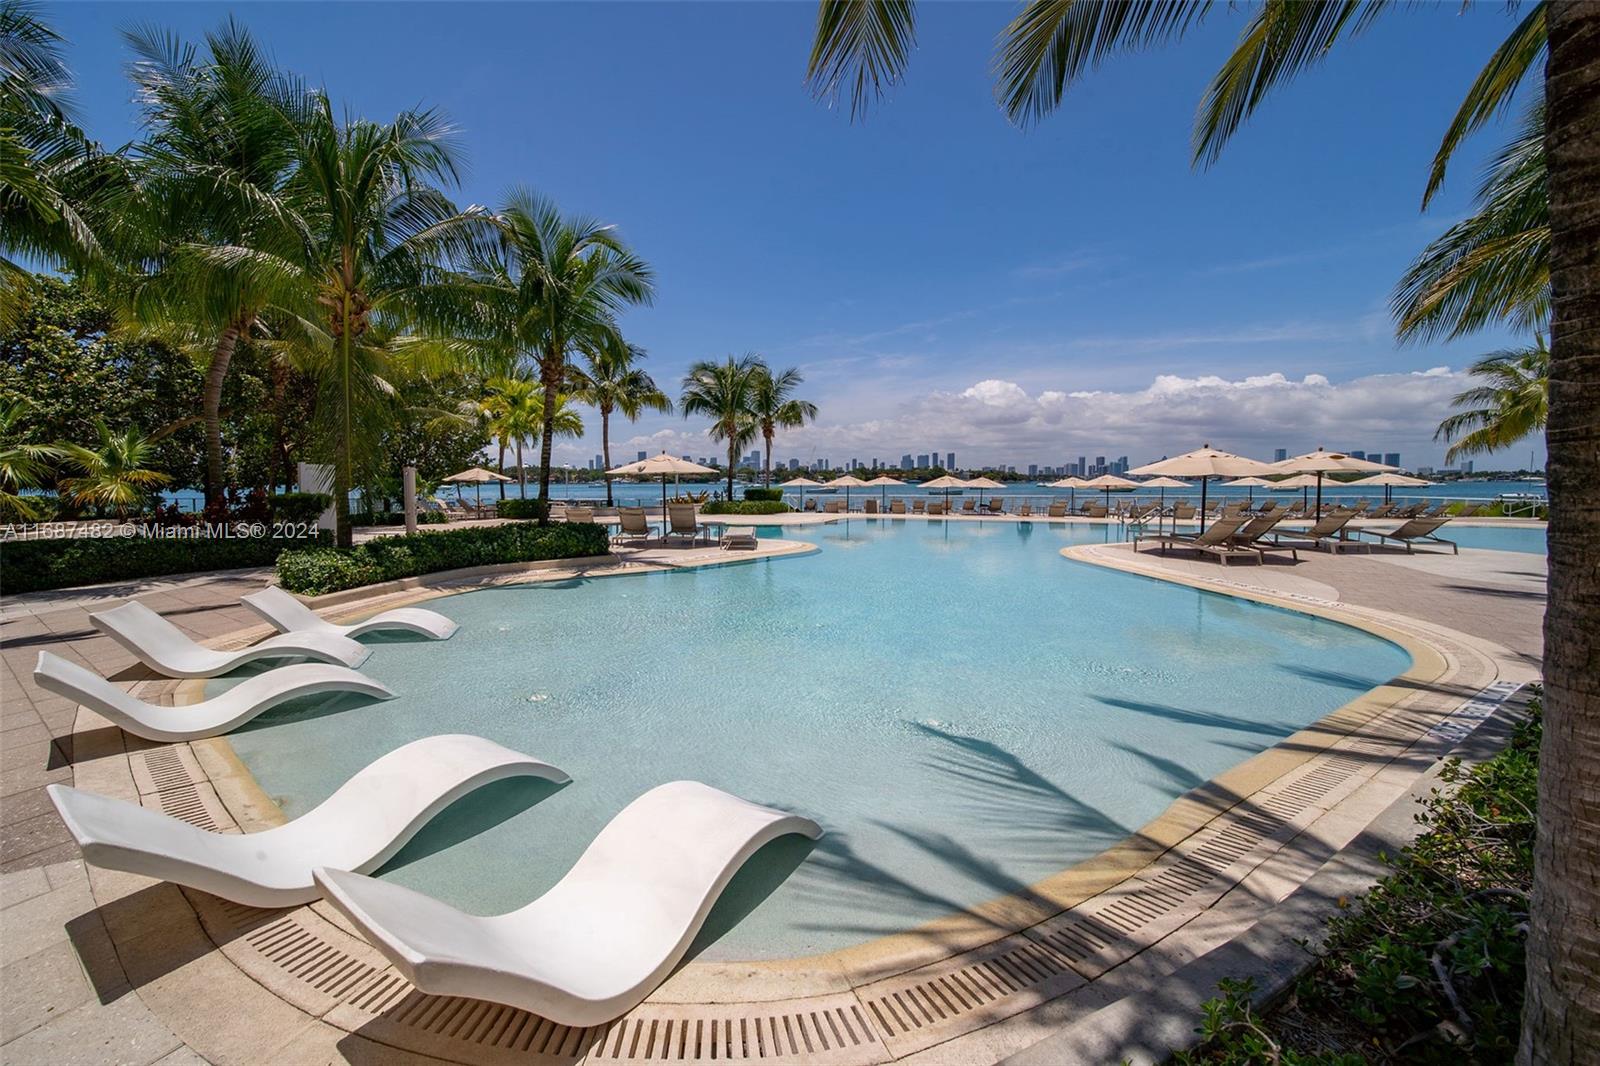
{"x": 1204, "y": 481}
{"x": 1319, "y": 494}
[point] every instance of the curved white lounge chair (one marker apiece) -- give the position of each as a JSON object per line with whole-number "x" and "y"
{"x": 288, "y": 615}
{"x": 162, "y": 646}
{"x": 596, "y": 944}
{"x": 208, "y": 718}
{"x": 359, "y": 827}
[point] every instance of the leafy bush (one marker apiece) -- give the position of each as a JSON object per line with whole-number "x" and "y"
{"x": 1429, "y": 967}
{"x": 314, "y": 571}
{"x": 396, "y": 518}
{"x": 745, "y": 507}
{"x": 520, "y": 509}
{"x": 770, "y": 495}
{"x": 65, "y": 562}
{"x": 298, "y": 506}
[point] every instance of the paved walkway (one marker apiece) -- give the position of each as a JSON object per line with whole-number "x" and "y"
{"x": 54, "y": 933}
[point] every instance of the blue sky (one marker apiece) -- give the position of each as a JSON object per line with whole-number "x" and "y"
{"x": 943, "y": 279}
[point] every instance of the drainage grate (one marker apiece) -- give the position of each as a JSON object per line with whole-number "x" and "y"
{"x": 175, "y": 791}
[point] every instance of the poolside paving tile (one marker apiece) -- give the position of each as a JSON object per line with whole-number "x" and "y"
{"x": 40, "y": 988}
{"x": 22, "y": 885}
{"x": 35, "y": 924}
{"x": 120, "y": 1033}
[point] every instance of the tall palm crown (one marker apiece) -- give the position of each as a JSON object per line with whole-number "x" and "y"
{"x": 1512, "y": 403}
{"x": 552, "y": 285}
{"x": 22, "y": 466}
{"x": 117, "y": 474}
{"x": 609, "y": 382}
{"x": 219, "y": 134}
{"x": 776, "y": 407}
{"x": 725, "y": 393}
{"x": 515, "y": 409}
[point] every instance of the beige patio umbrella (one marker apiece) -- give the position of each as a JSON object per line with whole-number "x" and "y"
{"x": 474, "y": 475}
{"x": 847, "y": 482}
{"x": 1251, "y": 483}
{"x": 1072, "y": 485}
{"x": 1206, "y": 463}
{"x": 1322, "y": 462}
{"x": 1390, "y": 482}
{"x": 1304, "y": 482}
{"x": 982, "y": 483}
{"x": 1107, "y": 482}
{"x": 1164, "y": 483}
{"x": 801, "y": 483}
{"x": 661, "y": 465}
{"x": 883, "y": 481}
{"x": 947, "y": 482}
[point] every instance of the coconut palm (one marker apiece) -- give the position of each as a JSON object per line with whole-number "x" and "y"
{"x": 1494, "y": 265}
{"x": 515, "y": 409}
{"x": 116, "y": 474}
{"x": 611, "y": 383}
{"x": 220, "y": 130}
{"x": 1512, "y": 403}
{"x": 553, "y": 285}
{"x": 22, "y": 466}
{"x": 725, "y": 393}
{"x": 863, "y": 47}
{"x": 775, "y": 407}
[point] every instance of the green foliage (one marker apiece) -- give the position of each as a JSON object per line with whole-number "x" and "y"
{"x": 752, "y": 493}
{"x": 315, "y": 571}
{"x": 745, "y": 506}
{"x": 532, "y": 508}
{"x": 1448, "y": 921}
{"x": 68, "y": 562}
{"x": 298, "y": 506}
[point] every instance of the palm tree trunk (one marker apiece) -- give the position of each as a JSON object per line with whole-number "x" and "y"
{"x": 343, "y": 535}
{"x": 1561, "y": 1011}
{"x": 733, "y": 454}
{"x": 211, "y": 408}
{"x": 501, "y": 468}
{"x": 605, "y": 447}
{"x": 550, "y": 373}
{"x": 767, "y": 462}
{"x": 522, "y": 473}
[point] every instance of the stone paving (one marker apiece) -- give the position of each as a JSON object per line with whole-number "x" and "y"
{"x": 70, "y": 989}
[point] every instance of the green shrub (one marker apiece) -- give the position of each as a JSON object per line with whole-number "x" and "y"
{"x": 520, "y": 509}
{"x": 66, "y": 562}
{"x": 396, "y": 518}
{"x": 314, "y": 571}
{"x": 744, "y": 507}
{"x": 769, "y": 495}
{"x": 298, "y": 506}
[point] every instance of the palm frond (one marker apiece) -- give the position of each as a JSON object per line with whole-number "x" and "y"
{"x": 861, "y": 47}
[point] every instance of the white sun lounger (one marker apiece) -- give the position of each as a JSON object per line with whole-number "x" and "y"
{"x": 288, "y": 615}
{"x": 164, "y": 647}
{"x": 209, "y": 718}
{"x": 359, "y": 827}
{"x": 596, "y": 944}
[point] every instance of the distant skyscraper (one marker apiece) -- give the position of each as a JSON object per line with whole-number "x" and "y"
{"x": 905, "y": 461}
{"x": 1466, "y": 467}
{"x": 642, "y": 457}
{"x": 1356, "y": 453}
{"x": 855, "y": 463}
{"x": 1391, "y": 458}
{"x": 1280, "y": 454}
{"x": 794, "y": 464}
{"x": 599, "y": 462}
{"x": 1033, "y": 469}
{"x": 1083, "y": 466}
{"x": 950, "y": 460}
{"x": 922, "y": 461}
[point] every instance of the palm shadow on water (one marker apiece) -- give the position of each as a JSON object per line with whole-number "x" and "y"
{"x": 473, "y": 814}
{"x": 1207, "y": 719}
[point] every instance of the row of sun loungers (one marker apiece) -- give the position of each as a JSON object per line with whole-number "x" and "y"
{"x": 588, "y": 950}
{"x": 1240, "y": 536}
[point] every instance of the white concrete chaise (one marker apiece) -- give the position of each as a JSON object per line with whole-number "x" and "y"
{"x": 288, "y": 615}
{"x": 605, "y": 936}
{"x": 165, "y": 648}
{"x": 209, "y": 718}
{"x": 359, "y": 827}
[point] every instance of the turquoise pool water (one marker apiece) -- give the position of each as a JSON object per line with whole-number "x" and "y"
{"x": 1499, "y": 538}
{"x": 965, "y": 711}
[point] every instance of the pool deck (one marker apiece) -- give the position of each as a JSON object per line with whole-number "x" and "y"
{"x": 100, "y": 966}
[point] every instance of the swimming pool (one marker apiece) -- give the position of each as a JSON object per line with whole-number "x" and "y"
{"x": 965, "y": 711}
{"x": 1499, "y": 538}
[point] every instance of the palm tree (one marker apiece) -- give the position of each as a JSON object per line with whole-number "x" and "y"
{"x": 553, "y": 285}
{"x": 114, "y": 475}
{"x": 516, "y": 414}
{"x": 611, "y": 383}
{"x": 22, "y": 466}
{"x": 1512, "y": 403}
{"x": 1494, "y": 265}
{"x": 219, "y": 140}
{"x": 500, "y": 396}
{"x": 1051, "y": 44}
{"x": 775, "y": 407}
{"x": 725, "y": 393}
{"x": 372, "y": 272}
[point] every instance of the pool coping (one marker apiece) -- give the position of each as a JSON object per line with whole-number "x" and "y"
{"x": 844, "y": 981}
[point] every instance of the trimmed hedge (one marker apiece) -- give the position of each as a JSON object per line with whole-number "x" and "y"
{"x": 298, "y": 506}
{"x": 745, "y": 507}
{"x": 396, "y": 518}
{"x": 520, "y": 509}
{"x": 315, "y": 571}
{"x": 754, "y": 494}
{"x": 65, "y": 562}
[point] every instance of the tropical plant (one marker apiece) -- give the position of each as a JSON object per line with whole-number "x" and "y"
{"x": 1512, "y": 403}
{"x": 117, "y": 474}
{"x": 1494, "y": 265}
{"x": 22, "y": 466}
{"x": 725, "y": 393}
{"x": 46, "y": 164}
{"x": 209, "y": 212}
{"x": 552, "y": 285}
{"x": 1051, "y": 44}
{"x": 516, "y": 414}
{"x": 775, "y": 407}
{"x": 611, "y": 383}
